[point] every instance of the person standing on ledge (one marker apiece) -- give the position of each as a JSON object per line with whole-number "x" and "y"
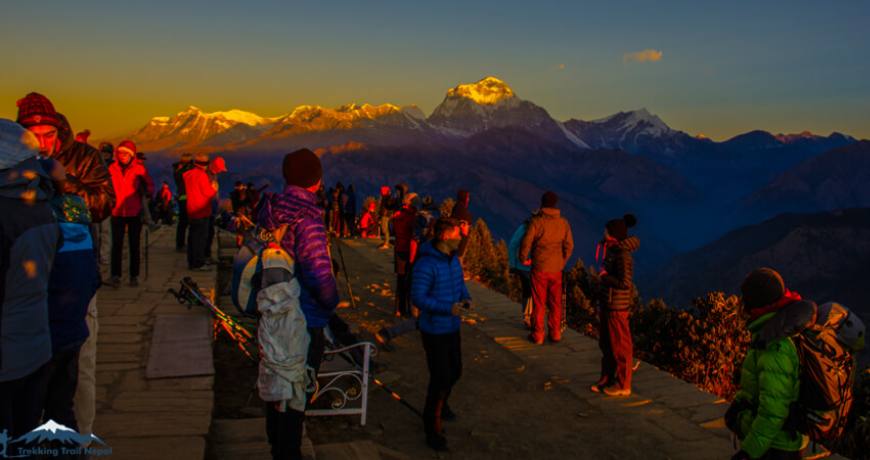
{"x": 614, "y": 335}
{"x": 305, "y": 242}
{"x": 438, "y": 290}
{"x": 546, "y": 247}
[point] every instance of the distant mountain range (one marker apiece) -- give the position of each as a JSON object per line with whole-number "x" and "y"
{"x": 823, "y": 256}
{"x": 686, "y": 190}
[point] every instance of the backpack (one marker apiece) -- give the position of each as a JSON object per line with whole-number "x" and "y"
{"x": 257, "y": 254}
{"x": 826, "y": 348}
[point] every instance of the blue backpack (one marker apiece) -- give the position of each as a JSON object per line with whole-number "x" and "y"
{"x": 258, "y": 253}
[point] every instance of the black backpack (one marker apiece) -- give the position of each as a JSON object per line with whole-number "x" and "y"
{"x": 827, "y": 347}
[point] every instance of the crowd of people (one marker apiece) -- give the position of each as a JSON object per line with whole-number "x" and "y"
{"x": 57, "y": 191}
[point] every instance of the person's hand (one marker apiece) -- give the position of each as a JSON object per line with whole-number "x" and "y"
{"x": 459, "y": 307}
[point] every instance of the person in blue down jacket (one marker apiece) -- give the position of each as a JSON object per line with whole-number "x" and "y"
{"x": 438, "y": 290}
{"x": 74, "y": 280}
{"x": 28, "y": 240}
{"x": 295, "y": 213}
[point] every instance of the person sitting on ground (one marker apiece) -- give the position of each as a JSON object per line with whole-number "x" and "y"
{"x": 546, "y": 248}
{"x": 770, "y": 377}
{"x": 129, "y": 179}
{"x": 28, "y": 243}
{"x": 614, "y": 334}
{"x": 73, "y": 282}
{"x": 439, "y": 291}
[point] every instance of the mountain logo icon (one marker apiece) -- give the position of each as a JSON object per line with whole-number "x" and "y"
{"x": 53, "y": 431}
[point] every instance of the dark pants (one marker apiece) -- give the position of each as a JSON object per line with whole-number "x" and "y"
{"x": 197, "y": 239}
{"x": 182, "y": 225}
{"x": 403, "y": 283}
{"x": 284, "y": 429}
{"x": 547, "y": 304}
{"x": 444, "y": 360}
{"x": 133, "y": 227}
{"x": 614, "y": 340}
{"x": 63, "y": 377}
{"x": 525, "y": 278}
{"x": 21, "y": 402}
{"x": 776, "y": 454}
{"x": 210, "y": 240}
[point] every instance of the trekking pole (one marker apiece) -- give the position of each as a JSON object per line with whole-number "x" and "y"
{"x": 396, "y": 396}
{"x": 147, "y": 250}
{"x": 344, "y": 269}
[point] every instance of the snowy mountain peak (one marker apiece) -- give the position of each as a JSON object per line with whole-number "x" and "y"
{"x": 488, "y": 91}
{"x": 641, "y": 118}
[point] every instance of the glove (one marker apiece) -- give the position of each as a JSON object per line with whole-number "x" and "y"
{"x": 741, "y": 455}
{"x": 732, "y": 416}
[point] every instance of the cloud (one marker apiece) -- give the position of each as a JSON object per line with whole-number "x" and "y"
{"x": 647, "y": 55}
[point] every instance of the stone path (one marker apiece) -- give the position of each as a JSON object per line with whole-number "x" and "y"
{"x": 140, "y": 418}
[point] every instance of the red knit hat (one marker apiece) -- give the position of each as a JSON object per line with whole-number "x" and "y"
{"x": 126, "y": 145}
{"x": 35, "y": 109}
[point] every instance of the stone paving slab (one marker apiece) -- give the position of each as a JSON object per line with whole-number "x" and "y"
{"x": 140, "y": 418}
{"x": 181, "y": 346}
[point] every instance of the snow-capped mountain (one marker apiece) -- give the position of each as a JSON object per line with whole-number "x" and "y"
{"x": 636, "y": 131}
{"x": 490, "y": 103}
{"x": 193, "y": 127}
{"x": 53, "y": 431}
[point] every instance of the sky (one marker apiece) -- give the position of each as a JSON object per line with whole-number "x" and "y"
{"x": 711, "y": 67}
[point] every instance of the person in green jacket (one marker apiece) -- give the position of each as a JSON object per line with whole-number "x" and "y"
{"x": 770, "y": 377}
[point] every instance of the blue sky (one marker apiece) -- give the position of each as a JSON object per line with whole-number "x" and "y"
{"x": 725, "y": 67}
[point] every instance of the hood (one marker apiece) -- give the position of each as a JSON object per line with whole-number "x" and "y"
{"x": 785, "y": 322}
{"x": 26, "y": 181}
{"x": 631, "y": 244}
{"x": 551, "y": 212}
{"x": 294, "y": 202}
{"x": 428, "y": 249}
{"x": 65, "y": 134}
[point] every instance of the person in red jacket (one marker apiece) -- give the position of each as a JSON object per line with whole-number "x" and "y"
{"x": 368, "y": 223}
{"x": 405, "y": 252}
{"x": 164, "y": 204}
{"x": 131, "y": 184}
{"x": 201, "y": 193}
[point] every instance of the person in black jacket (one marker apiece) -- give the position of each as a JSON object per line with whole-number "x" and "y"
{"x": 87, "y": 177}
{"x": 178, "y": 169}
{"x": 614, "y": 335}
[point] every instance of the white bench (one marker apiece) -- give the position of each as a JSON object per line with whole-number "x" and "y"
{"x": 337, "y": 370}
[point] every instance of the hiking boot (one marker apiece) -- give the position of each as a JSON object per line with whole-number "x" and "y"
{"x": 134, "y": 281}
{"x": 616, "y": 392}
{"x": 447, "y": 414}
{"x": 201, "y": 268}
{"x": 384, "y": 246}
{"x": 598, "y": 386}
{"x": 436, "y": 442}
{"x": 114, "y": 282}
{"x": 534, "y": 340}
{"x": 555, "y": 340}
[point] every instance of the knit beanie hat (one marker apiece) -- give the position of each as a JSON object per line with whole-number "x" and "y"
{"x": 762, "y": 287}
{"x": 16, "y": 144}
{"x": 35, "y": 109}
{"x": 128, "y": 146}
{"x": 549, "y": 200}
{"x": 201, "y": 159}
{"x": 302, "y": 168}
{"x": 618, "y": 228}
